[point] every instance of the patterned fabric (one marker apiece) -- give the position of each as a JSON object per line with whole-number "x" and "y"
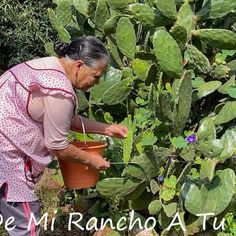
{"x": 23, "y": 154}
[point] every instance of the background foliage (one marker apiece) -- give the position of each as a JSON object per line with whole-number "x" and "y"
{"x": 24, "y": 29}
{"x": 172, "y": 82}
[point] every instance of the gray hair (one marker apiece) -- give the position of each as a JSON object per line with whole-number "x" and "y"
{"x": 89, "y": 49}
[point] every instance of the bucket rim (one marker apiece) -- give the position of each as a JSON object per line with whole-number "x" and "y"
{"x": 101, "y": 144}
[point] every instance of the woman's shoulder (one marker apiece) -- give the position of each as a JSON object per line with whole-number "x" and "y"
{"x": 45, "y": 63}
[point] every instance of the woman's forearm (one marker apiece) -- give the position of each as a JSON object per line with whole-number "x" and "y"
{"x": 91, "y": 126}
{"x": 71, "y": 153}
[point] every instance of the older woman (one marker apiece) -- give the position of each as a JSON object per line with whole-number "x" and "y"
{"x": 37, "y": 110}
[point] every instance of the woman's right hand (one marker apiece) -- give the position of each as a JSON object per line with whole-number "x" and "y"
{"x": 98, "y": 162}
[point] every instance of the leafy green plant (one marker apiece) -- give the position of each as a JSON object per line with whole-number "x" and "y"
{"x": 172, "y": 82}
{"x": 24, "y": 29}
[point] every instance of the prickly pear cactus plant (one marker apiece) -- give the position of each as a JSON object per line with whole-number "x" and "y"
{"x": 172, "y": 82}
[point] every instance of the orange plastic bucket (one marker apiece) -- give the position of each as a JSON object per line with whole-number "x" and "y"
{"x": 79, "y": 176}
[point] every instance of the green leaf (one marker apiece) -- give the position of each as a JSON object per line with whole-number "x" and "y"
{"x": 179, "y": 142}
{"x": 230, "y": 83}
{"x": 154, "y": 207}
{"x": 197, "y": 82}
{"x": 226, "y": 114}
{"x": 221, "y": 191}
{"x": 207, "y": 169}
{"x": 193, "y": 200}
{"x": 207, "y": 129}
{"x": 211, "y": 148}
{"x": 168, "y": 190}
{"x": 232, "y": 91}
{"x": 108, "y": 118}
{"x": 229, "y": 141}
{"x": 208, "y": 88}
{"x": 148, "y": 138}
{"x": 154, "y": 187}
{"x": 170, "y": 209}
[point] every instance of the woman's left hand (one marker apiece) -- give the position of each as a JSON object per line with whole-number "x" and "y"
{"x": 117, "y": 131}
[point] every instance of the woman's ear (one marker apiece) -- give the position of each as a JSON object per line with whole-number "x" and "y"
{"x": 79, "y": 63}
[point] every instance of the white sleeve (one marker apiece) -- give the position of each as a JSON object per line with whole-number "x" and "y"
{"x": 57, "y": 121}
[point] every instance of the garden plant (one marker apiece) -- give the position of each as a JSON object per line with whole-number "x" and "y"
{"x": 171, "y": 80}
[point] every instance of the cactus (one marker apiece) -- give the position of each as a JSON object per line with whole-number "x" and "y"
{"x": 197, "y": 59}
{"x": 124, "y": 29}
{"x": 179, "y": 33}
{"x": 171, "y": 96}
{"x": 164, "y": 108}
{"x": 182, "y": 103}
{"x": 168, "y": 53}
{"x": 117, "y": 4}
{"x": 110, "y": 25}
{"x": 64, "y": 12}
{"x": 216, "y": 9}
{"x": 81, "y": 6}
{"x": 218, "y": 38}
{"x": 112, "y": 76}
{"x": 118, "y": 92}
{"x": 115, "y": 55}
{"x": 128, "y": 142}
{"x": 101, "y": 13}
{"x": 152, "y": 75}
{"x": 53, "y": 18}
{"x": 83, "y": 102}
{"x": 167, "y": 8}
{"x": 63, "y": 34}
{"x": 148, "y": 16}
{"x": 117, "y": 187}
{"x": 185, "y": 18}
{"x": 142, "y": 169}
{"x": 141, "y": 68}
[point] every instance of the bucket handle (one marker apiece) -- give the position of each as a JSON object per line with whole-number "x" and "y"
{"x": 83, "y": 128}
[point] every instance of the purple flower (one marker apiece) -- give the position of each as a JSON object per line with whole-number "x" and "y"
{"x": 191, "y": 138}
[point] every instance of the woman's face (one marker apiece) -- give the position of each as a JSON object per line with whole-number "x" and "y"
{"x": 86, "y": 77}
